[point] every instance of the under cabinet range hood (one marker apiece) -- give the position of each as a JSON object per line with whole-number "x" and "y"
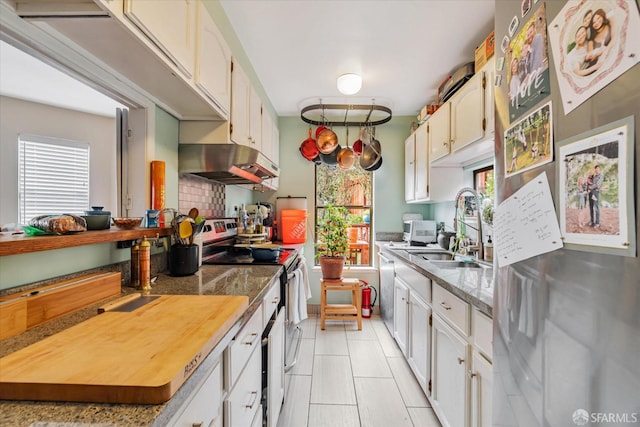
{"x": 226, "y": 163}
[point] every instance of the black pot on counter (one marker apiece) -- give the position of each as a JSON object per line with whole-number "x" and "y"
{"x": 444, "y": 238}
{"x": 183, "y": 260}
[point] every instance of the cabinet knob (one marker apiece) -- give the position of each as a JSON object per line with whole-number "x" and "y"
{"x": 472, "y": 375}
{"x": 444, "y": 144}
{"x": 460, "y": 360}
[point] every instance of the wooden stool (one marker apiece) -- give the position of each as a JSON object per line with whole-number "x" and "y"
{"x": 351, "y": 311}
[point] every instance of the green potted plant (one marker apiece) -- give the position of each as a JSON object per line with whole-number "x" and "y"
{"x": 333, "y": 241}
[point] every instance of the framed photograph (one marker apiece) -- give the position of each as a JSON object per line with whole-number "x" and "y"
{"x": 513, "y": 26}
{"x": 529, "y": 143}
{"x": 593, "y": 42}
{"x": 528, "y": 65}
{"x": 596, "y": 188}
{"x": 526, "y": 5}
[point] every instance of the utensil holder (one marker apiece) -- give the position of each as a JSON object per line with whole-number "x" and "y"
{"x": 183, "y": 260}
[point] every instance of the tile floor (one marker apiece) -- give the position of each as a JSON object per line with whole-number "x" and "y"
{"x": 350, "y": 378}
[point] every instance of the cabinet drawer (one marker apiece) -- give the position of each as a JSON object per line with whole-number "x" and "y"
{"x": 483, "y": 333}
{"x": 270, "y": 302}
{"x": 204, "y": 407}
{"x": 244, "y": 400}
{"x": 242, "y": 347}
{"x": 418, "y": 283}
{"x": 452, "y": 308}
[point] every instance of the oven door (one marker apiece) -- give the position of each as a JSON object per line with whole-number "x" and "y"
{"x": 274, "y": 375}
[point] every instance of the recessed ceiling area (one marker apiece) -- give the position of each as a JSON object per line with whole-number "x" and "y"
{"x": 24, "y": 77}
{"x": 403, "y": 49}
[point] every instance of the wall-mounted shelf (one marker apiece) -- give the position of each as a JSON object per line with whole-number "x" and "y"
{"x": 362, "y": 115}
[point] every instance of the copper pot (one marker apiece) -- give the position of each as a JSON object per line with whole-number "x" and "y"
{"x": 346, "y": 156}
{"x": 327, "y": 141}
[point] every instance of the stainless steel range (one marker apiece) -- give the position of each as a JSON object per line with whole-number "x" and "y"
{"x": 219, "y": 247}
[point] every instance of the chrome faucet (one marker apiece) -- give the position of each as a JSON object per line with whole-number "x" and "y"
{"x": 478, "y": 207}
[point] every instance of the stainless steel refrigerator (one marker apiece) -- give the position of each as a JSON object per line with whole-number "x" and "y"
{"x": 566, "y": 323}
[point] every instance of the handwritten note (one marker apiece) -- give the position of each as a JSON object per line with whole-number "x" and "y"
{"x": 525, "y": 224}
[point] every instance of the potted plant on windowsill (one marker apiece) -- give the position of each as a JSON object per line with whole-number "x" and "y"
{"x": 333, "y": 241}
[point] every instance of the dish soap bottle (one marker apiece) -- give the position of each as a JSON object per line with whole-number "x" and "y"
{"x": 488, "y": 250}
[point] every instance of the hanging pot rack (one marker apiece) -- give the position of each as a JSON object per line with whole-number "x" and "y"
{"x": 347, "y": 108}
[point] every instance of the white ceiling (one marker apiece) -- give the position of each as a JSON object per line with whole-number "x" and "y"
{"x": 403, "y": 48}
{"x": 25, "y": 77}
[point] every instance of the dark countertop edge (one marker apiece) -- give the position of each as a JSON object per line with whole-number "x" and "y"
{"x": 432, "y": 274}
{"x": 156, "y": 415}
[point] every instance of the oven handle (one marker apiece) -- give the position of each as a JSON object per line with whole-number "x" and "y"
{"x": 290, "y": 366}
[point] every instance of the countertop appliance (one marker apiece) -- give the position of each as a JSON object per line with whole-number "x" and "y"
{"x": 419, "y": 232}
{"x": 567, "y": 323}
{"x": 219, "y": 248}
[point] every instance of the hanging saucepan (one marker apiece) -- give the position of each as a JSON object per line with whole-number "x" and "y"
{"x": 331, "y": 159}
{"x": 308, "y": 148}
{"x": 346, "y": 156}
{"x": 327, "y": 141}
{"x": 376, "y": 166}
{"x": 371, "y": 153}
{"x": 357, "y": 146}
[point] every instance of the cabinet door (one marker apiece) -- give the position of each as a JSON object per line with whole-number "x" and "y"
{"x": 276, "y": 370}
{"x": 243, "y": 400}
{"x": 489, "y": 105}
{"x": 438, "y": 132}
{"x": 255, "y": 119}
{"x": 170, "y": 25}
{"x": 213, "y": 65}
{"x": 275, "y": 145}
{"x": 205, "y": 406}
{"x": 422, "y": 163}
{"x": 409, "y": 168}
{"x": 481, "y": 389}
{"x": 419, "y": 340}
{"x": 267, "y": 135}
{"x": 401, "y": 314}
{"x": 450, "y": 385}
{"x": 240, "y": 93}
{"x": 467, "y": 113}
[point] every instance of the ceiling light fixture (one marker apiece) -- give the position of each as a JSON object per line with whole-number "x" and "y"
{"x": 349, "y": 84}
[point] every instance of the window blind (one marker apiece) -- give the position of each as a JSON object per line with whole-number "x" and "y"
{"x": 53, "y": 176}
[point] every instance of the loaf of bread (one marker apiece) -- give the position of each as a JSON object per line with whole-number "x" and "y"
{"x": 59, "y": 224}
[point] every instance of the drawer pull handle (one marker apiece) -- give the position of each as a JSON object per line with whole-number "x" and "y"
{"x": 472, "y": 375}
{"x": 200, "y": 424}
{"x": 275, "y": 300}
{"x": 460, "y": 360}
{"x": 445, "y": 306}
{"x": 253, "y": 335}
{"x": 253, "y": 401}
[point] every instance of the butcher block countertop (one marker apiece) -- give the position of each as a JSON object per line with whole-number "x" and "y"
{"x": 250, "y": 281}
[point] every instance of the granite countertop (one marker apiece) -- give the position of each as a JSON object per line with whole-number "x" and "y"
{"x": 474, "y": 285}
{"x": 252, "y": 281}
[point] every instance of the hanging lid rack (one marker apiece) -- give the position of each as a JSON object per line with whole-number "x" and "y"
{"x": 363, "y": 109}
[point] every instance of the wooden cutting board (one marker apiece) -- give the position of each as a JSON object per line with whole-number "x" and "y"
{"x": 138, "y": 356}
{"x": 24, "y": 310}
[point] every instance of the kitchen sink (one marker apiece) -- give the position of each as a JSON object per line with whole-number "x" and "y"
{"x": 443, "y": 256}
{"x": 457, "y": 264}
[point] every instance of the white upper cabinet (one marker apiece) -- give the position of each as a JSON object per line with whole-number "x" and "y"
{"x": 438, "y": 132}
{"x": 255, "y": 120}
{"x": 240, "y": 94}
{"x": 422, "y": 164}
{"x": 409, "y": 168}
{"x": 213, "y": 62}
{"x": 467, "y": 113}
{"x": 170, "y": 25}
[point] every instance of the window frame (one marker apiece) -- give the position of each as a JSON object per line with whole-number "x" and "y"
{"x": 369, "y": 206}
{"x": 62, "y": 147}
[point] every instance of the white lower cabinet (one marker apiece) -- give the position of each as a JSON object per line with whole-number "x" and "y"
{"x": 205, "y": 407}
{"x": 243, "y": 400}
{"x": 450, "y": 385}
{"x": 481, "y": 388}
{"x": 419, "y": 354}
{"x": 401, "y": 314}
